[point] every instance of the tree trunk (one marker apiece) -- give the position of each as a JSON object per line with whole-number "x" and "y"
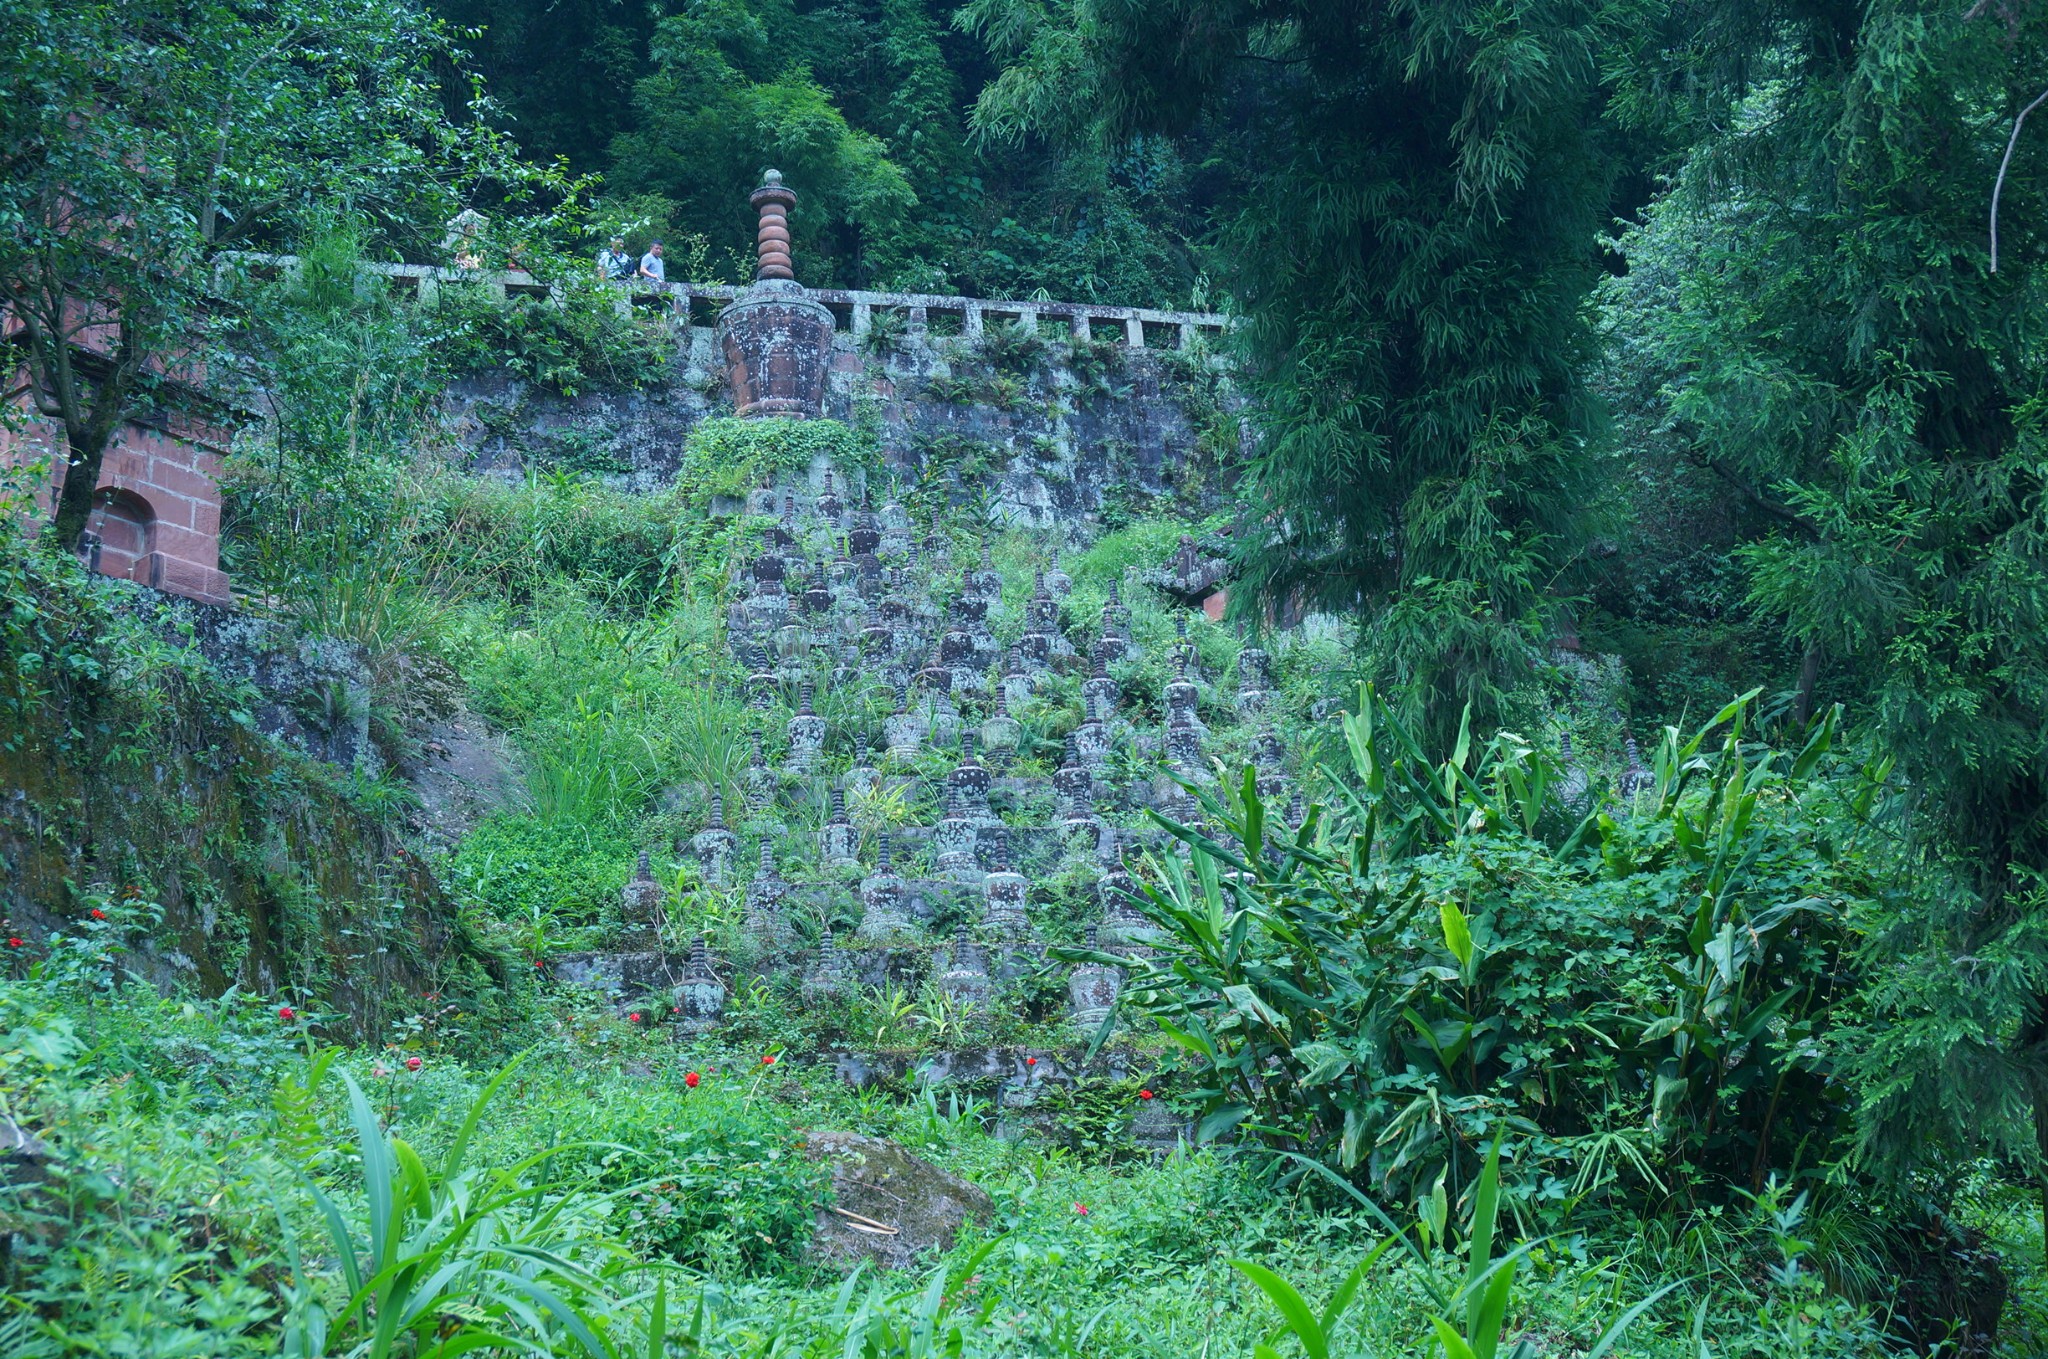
{"x": 81, "y": 480}
{"x": 89, "y": 427}
{"x": 1809, "y": 679}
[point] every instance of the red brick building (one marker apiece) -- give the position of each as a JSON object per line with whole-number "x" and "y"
{"x": 156, "y": 517}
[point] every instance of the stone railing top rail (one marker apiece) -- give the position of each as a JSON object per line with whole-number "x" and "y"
{"x": 853, "y": 310}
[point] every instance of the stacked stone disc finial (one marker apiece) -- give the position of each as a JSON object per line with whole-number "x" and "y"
{"x": 771, "y": 239}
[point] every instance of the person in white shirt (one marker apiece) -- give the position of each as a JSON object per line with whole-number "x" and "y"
{"x": 614, "y": 265}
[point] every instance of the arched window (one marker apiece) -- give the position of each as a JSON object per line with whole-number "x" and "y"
{"x": 120, "y": 532}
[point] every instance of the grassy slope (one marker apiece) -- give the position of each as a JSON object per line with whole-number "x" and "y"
{"x": 162, "y": 1228}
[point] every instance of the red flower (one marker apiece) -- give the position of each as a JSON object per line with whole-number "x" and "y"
{"x": 633, "y": 1018}
{"x": 413, "y": 1064}
{"x": 1031, "y": 1061}
{"x": 1081, "y": 1208}
{"x": 13, "y": 941}
{"x": 692, "y": 1079}
{"x": 98, "y": 914}
{"x": 1144, "y": 1094}
{"x": 768, "y": 1059}
{"x": 287, "y": 1013}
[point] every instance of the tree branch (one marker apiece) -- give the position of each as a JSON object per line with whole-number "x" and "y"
{"x": 1998, "y": 188}
{"x": 53, "y": 389}
{"x": 1781, "y": 512}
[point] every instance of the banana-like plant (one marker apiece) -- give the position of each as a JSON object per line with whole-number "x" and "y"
{"x": 440, "y": 1261}
{"x": 1442, "y": 950}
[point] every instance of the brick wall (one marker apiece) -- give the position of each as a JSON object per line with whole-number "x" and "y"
{"x": 156, "y": 519}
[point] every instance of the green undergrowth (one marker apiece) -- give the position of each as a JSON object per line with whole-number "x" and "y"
{"x": 196, "y": 1172}
{"x": 725, "y": 455}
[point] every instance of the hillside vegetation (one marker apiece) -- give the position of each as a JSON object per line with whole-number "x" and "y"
{"x": 1577, "y": 892}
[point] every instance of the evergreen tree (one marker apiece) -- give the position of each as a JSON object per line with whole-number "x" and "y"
{"x": 863, "y": 104}
{"x": 1815, "y": 302}
{"x": 1411, "y": 242}
{"x": 724, "y": 102}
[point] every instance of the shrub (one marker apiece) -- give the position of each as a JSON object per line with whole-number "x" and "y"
{"x": 710, "y": 1176}
{"x": 728, "y": 456}
{"x": 1643, "y": 992}
{"x": 570, "y": 343}
{"x": 1012, "y": 348}
{"x": 521, "y": 868}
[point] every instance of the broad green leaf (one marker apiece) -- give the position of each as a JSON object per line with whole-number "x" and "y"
{"x": 1292, "y": 1307}
{"x": 1220, "y": 1121}
{"x": 1454, "y": 1344}
{"x": 1485, "y": 1204}
{"x": 1658, "y": 1030}
{"x": 1493, "y": 1310}
{"x": 1457, "y": 934}
{"x": 1324, "y": 1062}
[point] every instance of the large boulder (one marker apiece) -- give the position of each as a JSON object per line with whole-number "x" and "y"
{"x": 887, "y": 1206}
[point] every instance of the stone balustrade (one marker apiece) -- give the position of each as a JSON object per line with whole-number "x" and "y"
{"x": 853, "y": 310}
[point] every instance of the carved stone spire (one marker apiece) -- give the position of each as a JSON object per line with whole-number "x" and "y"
{"x": 771, "y": 238}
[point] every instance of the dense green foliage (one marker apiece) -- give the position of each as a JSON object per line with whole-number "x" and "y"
{"x": 142, "y": 138}
{"x": 1410, "y": 237}
{"x": 1858, "y": 374}
{"x": 209, "y": 1172}
{"x": 1645, "y": 993}
{"x": 864, "y": 108}
{"x": 1608, "y": 357}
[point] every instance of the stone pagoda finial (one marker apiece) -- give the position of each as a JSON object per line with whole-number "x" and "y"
{"x": 771, "y": 238}
{"x": 714, "y": 845}
{"x": 839, "y": 841}
{"x": 642, "y": 899}
{"x": 700, "y": 999}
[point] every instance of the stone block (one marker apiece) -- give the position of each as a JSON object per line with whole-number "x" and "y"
{"x": 887, "y": 1208}
{"x": 193, "y": 580}
{"x": 777, "y": 345}
{"x": 179, "y": 476}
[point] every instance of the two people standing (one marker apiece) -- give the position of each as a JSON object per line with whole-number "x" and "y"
{"x": 614, "y": 265}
